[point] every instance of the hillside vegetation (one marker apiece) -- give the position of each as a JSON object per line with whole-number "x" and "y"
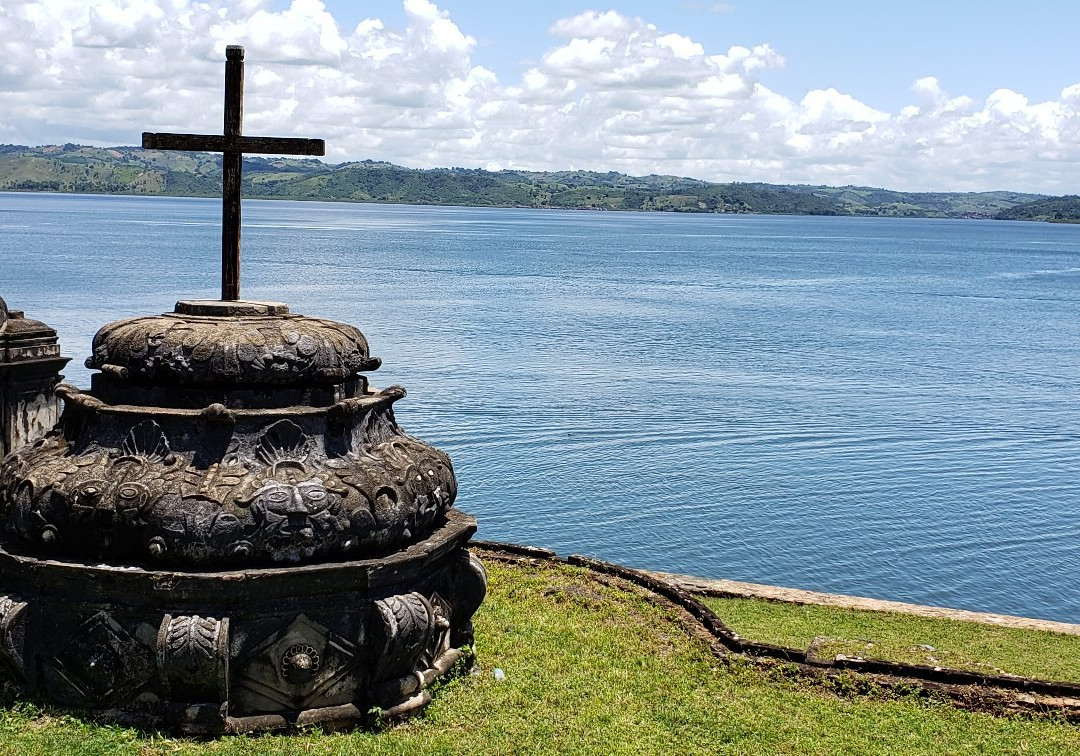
{"x": 132, "y": 170}
{"x": 1053, "y": 209}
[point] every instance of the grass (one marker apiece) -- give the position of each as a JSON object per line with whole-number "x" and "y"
{"x": 904, "y": 638}
{"x": 593, "y": 668}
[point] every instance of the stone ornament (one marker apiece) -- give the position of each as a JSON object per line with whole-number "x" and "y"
{"x": 13, "y": 637}
{"x": 193, "y": 657}
{"x": 101, "y": 664}
{"x": 187, "y": 349}
{"x": 251, "y": 544}
{"x": 217, "y": 485}
{"x": 300, "y": 662}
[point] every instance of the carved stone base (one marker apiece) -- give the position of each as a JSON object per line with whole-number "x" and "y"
{"x": 242, "y": 650}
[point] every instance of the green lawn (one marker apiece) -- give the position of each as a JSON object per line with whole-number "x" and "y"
{"x": 904, "y": 638}
{"x": 591, "y": 668}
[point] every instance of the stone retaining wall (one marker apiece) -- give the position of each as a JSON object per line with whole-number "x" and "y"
{"x": 737, "y": 589}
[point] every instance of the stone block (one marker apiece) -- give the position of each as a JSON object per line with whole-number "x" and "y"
{"x": 30, "y": 365}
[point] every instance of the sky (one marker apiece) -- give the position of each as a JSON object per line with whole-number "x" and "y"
{"x": 924, "y": 96}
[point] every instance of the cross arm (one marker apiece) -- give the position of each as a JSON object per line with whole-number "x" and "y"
{"x": 219, "y": 143}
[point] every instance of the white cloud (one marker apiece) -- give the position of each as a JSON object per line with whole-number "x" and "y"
{"x": 613, "y": 92}
{"x": 590, "y": 24}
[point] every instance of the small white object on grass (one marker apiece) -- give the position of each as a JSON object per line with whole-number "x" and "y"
{"x": 499, "y": 674}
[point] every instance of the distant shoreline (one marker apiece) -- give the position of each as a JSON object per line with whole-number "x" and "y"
{"x": 78, "y": 169}
{"x": 491, "y": 207}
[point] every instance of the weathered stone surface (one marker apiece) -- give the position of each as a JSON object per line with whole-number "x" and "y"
{"x": 224, "y": 484}
{"x": 30, "y": 365}
{"x": 181, "y": 348}
{"x": 193, "y": 657}
{"x": 141, "y": 571}
{"x": 202, "y": 651}
{"x": 190, "y": 486}
{"x": 221, "y": 308}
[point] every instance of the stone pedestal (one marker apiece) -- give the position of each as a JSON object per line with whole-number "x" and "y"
{"x": 30, "y": 365}
{"x": 230, "y": 532}
{"x": 206, "y": 652}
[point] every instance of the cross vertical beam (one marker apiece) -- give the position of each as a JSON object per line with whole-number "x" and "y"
{"x": 233, "y": 145}
{"x": 232, "y": 164}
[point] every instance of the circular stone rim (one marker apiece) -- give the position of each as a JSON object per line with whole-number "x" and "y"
{"x": 94, "y": 580}
{"x": 225, "y": 308}
{"x": 230, "y": 344}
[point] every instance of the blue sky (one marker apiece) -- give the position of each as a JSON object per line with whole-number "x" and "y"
{"x": 871, "y": 50}
{"x": 915, "y": 95}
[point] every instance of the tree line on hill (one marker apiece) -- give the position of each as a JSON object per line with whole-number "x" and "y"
{"x": 132, "y": 170}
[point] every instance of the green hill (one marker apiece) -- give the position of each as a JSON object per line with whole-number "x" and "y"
{"x": 1053, "y": 209}
{"x": 132, "y": 170}
{"x": 861, "y": 200}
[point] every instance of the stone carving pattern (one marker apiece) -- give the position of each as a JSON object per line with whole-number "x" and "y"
{"x": 442, "y": 611}
{"x": 466, "y": 583}
{"x": 283, "y": 442}
{"x": 100, "y": 665}
{"x": 300, "y": 662}
{"x": 12, "y": 638}
{"x": 193, "y": 639}
{"x": 172, "y": 349}
{"x": 299, "y": 665}
{"x": 409, "y": 627}
{"x": 193, "y": 655}
{"x": 146, "y": 441}
{"x": 271, "y": 498}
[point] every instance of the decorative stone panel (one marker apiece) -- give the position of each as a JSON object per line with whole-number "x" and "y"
{"x": 100, "y": 666}
{"x": 193, "y": 657}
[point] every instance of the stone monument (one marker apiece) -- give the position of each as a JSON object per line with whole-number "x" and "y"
{"x": 229, "y": 531}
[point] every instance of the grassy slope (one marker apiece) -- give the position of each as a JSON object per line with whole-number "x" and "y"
{"x": 594, "y": 669}
{"x": 899, "y": 637}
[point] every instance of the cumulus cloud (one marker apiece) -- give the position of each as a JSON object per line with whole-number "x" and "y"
{"x": 590, "y": 24}
{"x": 612, "y": 92}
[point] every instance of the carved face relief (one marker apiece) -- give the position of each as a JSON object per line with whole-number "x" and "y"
{"x": 294, "y": 517}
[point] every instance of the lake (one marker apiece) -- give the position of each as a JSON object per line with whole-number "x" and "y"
{"x": 881, "y": 407}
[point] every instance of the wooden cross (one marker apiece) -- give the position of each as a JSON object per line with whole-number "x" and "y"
{"x": 233, "y": 145}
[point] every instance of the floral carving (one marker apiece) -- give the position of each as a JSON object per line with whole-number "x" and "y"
{"x": 227, "y": 481}
{"x": 409, "y": 627}
{"x": 193, "y": 655}
{"x": 177, "y": 349}
{"x": 300, "y": 662}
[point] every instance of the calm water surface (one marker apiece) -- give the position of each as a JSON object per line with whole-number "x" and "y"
{"x": 871, "y": 406}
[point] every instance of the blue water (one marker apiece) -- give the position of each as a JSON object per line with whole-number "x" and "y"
{"x": 880, "y": 407}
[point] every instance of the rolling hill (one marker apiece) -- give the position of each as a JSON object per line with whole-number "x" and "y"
{"x": 133, "y": 170}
